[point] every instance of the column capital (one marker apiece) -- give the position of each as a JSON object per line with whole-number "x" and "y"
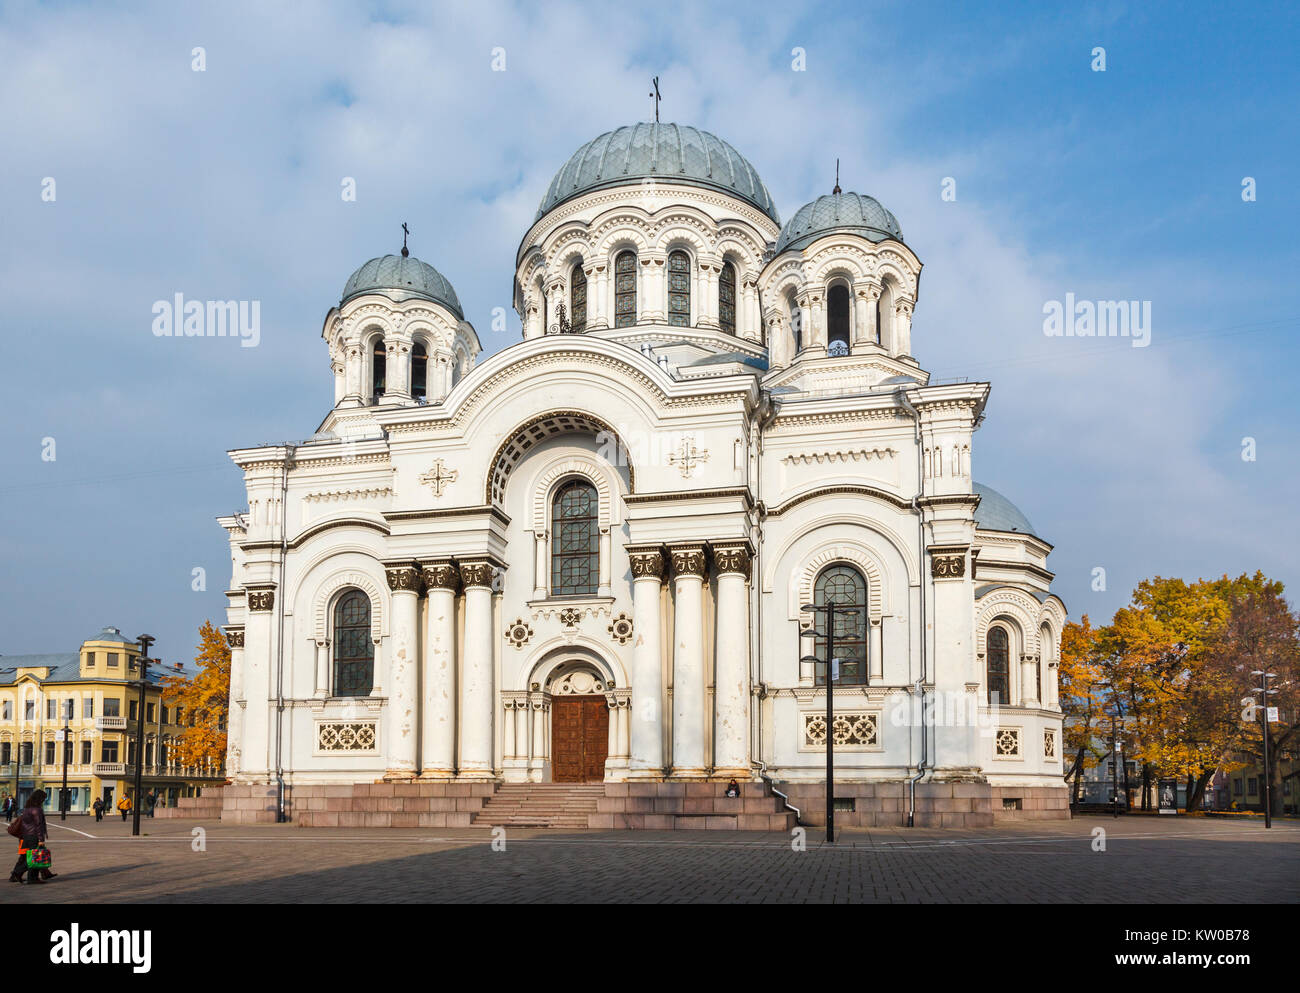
{"x": 442, "y": 574}
{"x": 732, "y": 558}
{"x": 261, "y": 599}
{"x": 689, "y": 560}
{"x": 646, "y": 561}
{"x": 478, "y": 573}
{"x": 402, "y": 577}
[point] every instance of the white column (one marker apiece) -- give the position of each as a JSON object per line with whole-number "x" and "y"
{"x": 624, "y": 705}
{"x": 404, "y": 669}
{"x": 903, "y": 328}
{"x": 541, "y": 740}
{"x": 478, "y": 690}
{"x": 322, "y": 668}
{"x": 707, "y": 309}
{"x": 541, "y": 581}
{"x": 605, "y": 563}
{"x": 354, "y": 367}
{"x": 647, "y": 734}
{"x": 1053, "y": 686}
{"x": 397, "y": 370}
{"x": 749, "y": 323}
{"x": 597, "y": 298}
{"x": 877, "y": 651}
{"x": 438, "y": 704}
{"x": 731, "y": 679}
{"x": 338, "y": 367}
{"x": 652, "y": 297}
{"x": 235, "y": 718}
{"x": 258, "y": 648}
{"x": 1028, "y": 681}
{"x": 509, "y": 749}
{"x": 523, "y": 725}
{"x": 688, "y": 662}
{"x": 611, "y": 737}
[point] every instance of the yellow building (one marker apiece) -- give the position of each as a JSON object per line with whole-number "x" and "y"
{"x": 98, "y": 690}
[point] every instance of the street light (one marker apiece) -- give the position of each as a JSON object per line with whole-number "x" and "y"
{"x": 67, "y": 747}
{"x": 1264, "y": 692}
{"x": 145, "y": 641}
{"x": 832, "y": 673}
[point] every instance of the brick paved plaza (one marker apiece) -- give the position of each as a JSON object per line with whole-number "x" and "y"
{"x": 1147, "y": 860}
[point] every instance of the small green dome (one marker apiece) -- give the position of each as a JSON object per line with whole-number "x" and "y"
{"x": 402, "y": 277}
{"x": 668, "y": 153}
{"x": 997, "y": 513}
{"x": 854, "y": 212}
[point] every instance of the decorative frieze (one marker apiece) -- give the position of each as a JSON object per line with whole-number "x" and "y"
{"x": 1006, "y": 743}
{"x": 855, "y": 455}
{"x": 861, "y": 730}
{"x": 347, "y": 736}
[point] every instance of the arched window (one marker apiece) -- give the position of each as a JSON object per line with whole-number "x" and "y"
{"x": 837, "y": 320}
{"x": 354, "y": 652}
{"x": 1045, "y": 656}
{"x": 578, "y": 298}
{"x": 575, "y": 540}
{"x": 625, "y": 290}
{"x": 378, "y": 367}
{"x": 679, "y": 289}
{"x": 727, "y": 298}
{"x": 796, "y": 324}
{"x": 844, "y": 587}
{"x": 998, "y": 657}
{"x": 419, "y": 371}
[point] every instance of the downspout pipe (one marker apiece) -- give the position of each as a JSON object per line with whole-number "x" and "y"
{"x": 764, "y": 412}
{"x": 279, "y": 646}
{"x": 920, "y": 558}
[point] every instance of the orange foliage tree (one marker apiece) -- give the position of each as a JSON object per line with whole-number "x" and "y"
{"x": 204, "y": 700}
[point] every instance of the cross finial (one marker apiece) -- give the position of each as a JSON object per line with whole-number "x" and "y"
{"x": 837, "y": 178}
{"x": 655, "y": 94}
{"x": 405, "y": 231}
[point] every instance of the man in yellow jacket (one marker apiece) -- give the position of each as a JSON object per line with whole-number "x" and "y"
{"x": 124, "y": 805}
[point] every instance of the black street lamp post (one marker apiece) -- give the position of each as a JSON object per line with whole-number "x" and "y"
{"x": 67, "y": 747}
{"x": 1264, "y": 693}
{"x": 832, "y": 665}
{"x": 145, "y": 641}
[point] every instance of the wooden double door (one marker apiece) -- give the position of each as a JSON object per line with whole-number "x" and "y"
{"x": 579, "y": 739}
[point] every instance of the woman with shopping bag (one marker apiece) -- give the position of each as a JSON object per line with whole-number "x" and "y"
{"x": 29, "y": 829}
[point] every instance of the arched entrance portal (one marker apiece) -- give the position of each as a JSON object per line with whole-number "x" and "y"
{"x": 579, "y": 724}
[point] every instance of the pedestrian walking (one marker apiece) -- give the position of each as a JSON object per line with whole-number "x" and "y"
{"x": 99, "y": 808}
{"x": 7, "y": 809}
{"x": 124, "y": 805}
{"x": 31, "y": 834}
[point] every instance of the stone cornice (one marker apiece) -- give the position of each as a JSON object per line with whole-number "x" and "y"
{"x": 870, "y": 491}
{"x": 673, "y": 495}
{"x": 496, "y": 513}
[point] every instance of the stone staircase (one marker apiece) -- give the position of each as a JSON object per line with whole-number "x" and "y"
{"x": 548, "y": 805}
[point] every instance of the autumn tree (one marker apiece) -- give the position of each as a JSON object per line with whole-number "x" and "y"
{"x": 1082, "y": 695}
{"x": 204, "y": 701}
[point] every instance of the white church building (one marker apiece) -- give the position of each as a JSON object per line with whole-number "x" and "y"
{"x": 586, "y": 558}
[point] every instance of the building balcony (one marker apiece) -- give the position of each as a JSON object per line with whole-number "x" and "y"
{"x": 114, "y": 769}
{"x": 110, "y": 723}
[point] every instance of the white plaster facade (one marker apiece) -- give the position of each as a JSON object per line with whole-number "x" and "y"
{"x": 730, "y": 462}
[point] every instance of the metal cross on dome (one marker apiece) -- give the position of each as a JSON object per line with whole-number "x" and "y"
{"x": 439, "y": 476}
{"x": 405, "y": 231}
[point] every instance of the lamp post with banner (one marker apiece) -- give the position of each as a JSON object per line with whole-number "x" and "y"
{"x": 1264, "y": 717}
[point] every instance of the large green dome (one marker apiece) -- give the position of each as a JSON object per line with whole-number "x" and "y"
{"x": 667, "y": 153}
{"x": 402, "y": 277}
{"x": 854, "y": 212}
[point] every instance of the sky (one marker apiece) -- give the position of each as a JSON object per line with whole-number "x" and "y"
{"x": 1168, "y": 178}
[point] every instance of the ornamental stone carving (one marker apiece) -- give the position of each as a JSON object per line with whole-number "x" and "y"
{"x": 620, "y": 629}
{"x": 441, "y": 576}
{"x": 570, "y": 616}
{"x": 689, "y": 561}
{"x": 477, "y": 574}
{"x": 732, "y": 559}
{"x": 405, "y": 579}
{"x": 646, "y": 562}
{"x": 519, "y": 633}
{"x": 261, "y": 601}
{"x": 235, "y": 637}
{"x": 948, "y": 563}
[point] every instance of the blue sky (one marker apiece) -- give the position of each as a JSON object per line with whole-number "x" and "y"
{"x": 1123, "y": 184}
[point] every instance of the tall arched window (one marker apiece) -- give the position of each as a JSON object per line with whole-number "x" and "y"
{"x": 378, "y": 368}
{"x": 1045, "y": 656}
{"x": 679, "y": 289}
{"x": 625, "y": 290}
{"x": 998, "y": 657}
{"x": 354, "y": 652}
{"x": 419, "y": 371}
{"x": 727, "y": 298}
{"x": 845, "y": 587}
{"x": 575, "y": 540}
{"x": 837, "y": 320}
{"x": 578, "y": 298}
